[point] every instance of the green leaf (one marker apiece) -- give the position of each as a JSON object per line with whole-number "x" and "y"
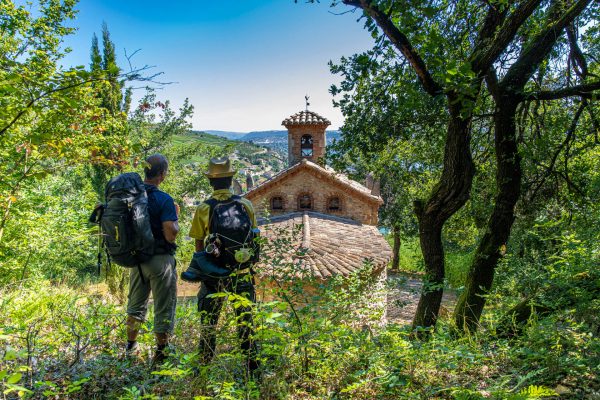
{"x": 10, "y": 354}
{"x": 14, "y": 378}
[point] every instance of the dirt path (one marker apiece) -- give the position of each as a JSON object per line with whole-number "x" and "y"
{"x": 187, "y": 289}
{"x": 403, "y": 297}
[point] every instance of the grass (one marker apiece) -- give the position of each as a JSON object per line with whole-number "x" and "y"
{"x": 59, "y": 343}
{"x": 411, "y": 261}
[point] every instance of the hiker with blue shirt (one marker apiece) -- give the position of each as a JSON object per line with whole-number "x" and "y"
{"x": 157, "y": 275}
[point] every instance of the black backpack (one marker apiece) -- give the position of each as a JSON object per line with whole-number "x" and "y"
{"x": 125, "y": 222}
{"x": 230, "y": 229}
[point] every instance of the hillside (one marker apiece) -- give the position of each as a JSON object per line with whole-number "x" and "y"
{"x": 275, "y": 139}
{"x": 225, "y": 134}
{"x": 261, "y": 161}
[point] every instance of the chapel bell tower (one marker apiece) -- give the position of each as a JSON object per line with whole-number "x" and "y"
{"x": 306, "y": 137}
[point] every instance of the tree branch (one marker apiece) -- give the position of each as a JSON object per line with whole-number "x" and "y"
{"x": 493, "y": 19}
{"x": 491, "y": 79}
{"x": 585, "y": 90}
{"x": 568, "y": 138}
{"x": 485, "y": 56}
{"x": 576, "y": 54}
{"x": 402, "y": 43}
{"x": 132, "y": 75}
{"x": 520, "y": 72}
{"x": 41, "y": 96}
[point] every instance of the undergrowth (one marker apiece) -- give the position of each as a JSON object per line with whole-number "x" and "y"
{"x": 59, "y": 343}
{"x": 457, "y": 262}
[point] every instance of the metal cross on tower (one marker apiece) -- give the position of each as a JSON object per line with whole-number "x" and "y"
{"x": 307, "y": 103}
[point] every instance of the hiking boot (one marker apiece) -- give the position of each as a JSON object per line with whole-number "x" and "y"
{"x": 160, "y": 355}
{"x": 132, "y": 349}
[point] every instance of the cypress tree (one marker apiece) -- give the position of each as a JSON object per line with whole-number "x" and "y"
{"x": 96, "y": 58}
{"x": 111, "y": 97}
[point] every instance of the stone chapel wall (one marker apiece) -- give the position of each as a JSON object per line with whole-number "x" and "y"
{"x": 321, "y": 191}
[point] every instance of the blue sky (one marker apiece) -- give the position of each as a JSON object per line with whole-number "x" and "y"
{"x": 245, "y": 65}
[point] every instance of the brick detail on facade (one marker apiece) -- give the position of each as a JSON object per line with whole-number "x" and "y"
{"x": 321, "y": 186}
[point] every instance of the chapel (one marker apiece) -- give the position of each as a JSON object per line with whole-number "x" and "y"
{"x": 335, "y": 218}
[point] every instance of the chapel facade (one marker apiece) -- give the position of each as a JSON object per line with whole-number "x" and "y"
{"x": 307, "y": 184}
{"x": 338, "y": 216}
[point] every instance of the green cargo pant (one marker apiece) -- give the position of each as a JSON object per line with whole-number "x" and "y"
{"x": 160, "y": 279}
{"x": 210, "y": 308}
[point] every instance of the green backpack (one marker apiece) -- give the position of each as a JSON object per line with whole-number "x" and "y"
{"x": 125, "y": 222}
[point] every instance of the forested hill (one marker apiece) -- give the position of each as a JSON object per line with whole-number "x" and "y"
{"x": 260, "y": 161}
{"x": 275, "y": 139}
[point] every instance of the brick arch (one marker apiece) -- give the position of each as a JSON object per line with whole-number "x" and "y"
{"x": 301, "y": 201}
{"x": 306, "y": 146}
{"x": 282, "y": 197}
{"x": 330, "y": 200}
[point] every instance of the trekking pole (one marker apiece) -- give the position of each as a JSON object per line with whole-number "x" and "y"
{"x": 107, "y": 262}
{"x": 99, "y": 262}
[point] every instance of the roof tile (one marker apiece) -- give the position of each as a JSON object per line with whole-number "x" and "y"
{"x": 338, "y": 246}
{"x": 305, "y": 118}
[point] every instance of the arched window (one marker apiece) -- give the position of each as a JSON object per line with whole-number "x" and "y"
{"x": 306, "y": 146}
{"x": 334, "y": 204}
{"x": 277, "y": 203}
{"x": 305, "y": 202}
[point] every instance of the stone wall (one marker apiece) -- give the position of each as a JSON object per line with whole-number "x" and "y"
{"x": 321, "y": 190}
{"x": 370, "y": 306}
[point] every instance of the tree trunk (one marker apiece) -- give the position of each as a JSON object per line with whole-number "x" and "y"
{"x": 396, "y": 250}
{"x": 492, "y": 245}
{"x": 433, "y": 282}
{"x": 448, "y": 196}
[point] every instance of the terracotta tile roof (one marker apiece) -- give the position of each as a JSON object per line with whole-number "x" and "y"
{"x": 326, "y": 172}
{"x": 305, "y": 118}
{"x": 322, "y": 245}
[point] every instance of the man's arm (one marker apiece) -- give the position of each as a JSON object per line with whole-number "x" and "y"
{"x": 170, "y": 230}
{"x": 199, "y": 227}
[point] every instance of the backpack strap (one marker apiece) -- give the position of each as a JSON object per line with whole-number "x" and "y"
{"x": 150, "y": 188}
{"x": 212, "y": 203}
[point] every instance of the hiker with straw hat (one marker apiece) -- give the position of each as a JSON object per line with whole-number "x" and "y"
{"x": 207, "y": 229}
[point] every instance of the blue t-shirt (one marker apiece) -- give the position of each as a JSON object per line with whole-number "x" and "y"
{"x": 161, "y": 208}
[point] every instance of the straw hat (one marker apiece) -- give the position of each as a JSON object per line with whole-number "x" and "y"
{"x": 219, "y": 168}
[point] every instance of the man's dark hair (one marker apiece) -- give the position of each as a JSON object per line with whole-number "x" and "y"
{"x": 221, "y": 183}
{"x": 157, "y": 164}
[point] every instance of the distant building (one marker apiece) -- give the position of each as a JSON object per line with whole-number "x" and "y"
{"x": 337, "y": 215}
